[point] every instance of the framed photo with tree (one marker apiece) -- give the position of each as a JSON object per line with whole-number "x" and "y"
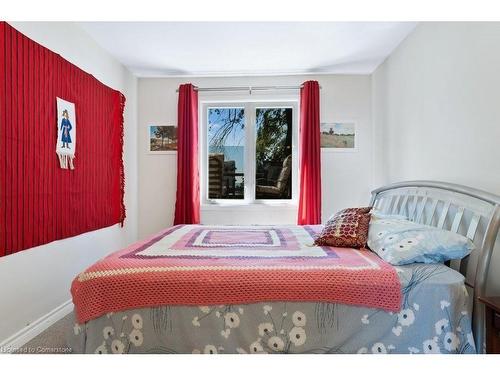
{"x": 162, "y": 139}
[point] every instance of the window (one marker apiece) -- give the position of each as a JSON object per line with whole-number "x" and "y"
{"x": 248, "y": 152}
{"x": 226, "y": 153}
{"x": 273, "y": 153}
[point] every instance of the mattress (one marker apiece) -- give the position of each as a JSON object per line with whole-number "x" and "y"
{"x": 172, "y": 294}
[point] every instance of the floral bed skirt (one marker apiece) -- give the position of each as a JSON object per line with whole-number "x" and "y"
{"x": 435, "y": 318}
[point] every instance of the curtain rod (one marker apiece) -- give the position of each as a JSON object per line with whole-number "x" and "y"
{"x": 247, "y": 88}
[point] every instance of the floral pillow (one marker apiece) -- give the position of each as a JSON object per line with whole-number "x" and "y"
{"x": 347, "y": 228}
{"x": 399, "y": 242}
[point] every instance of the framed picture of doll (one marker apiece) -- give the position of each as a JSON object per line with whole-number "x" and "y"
{"x": 66, "y": 133}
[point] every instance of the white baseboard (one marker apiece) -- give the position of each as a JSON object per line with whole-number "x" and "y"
{"x": 29, "y": 332}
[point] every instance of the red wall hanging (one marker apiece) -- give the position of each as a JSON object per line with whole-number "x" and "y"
{"x": 39, "y": 201}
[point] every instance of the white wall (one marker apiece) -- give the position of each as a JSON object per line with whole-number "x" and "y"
{"x": 436, "y": 109}
{"x": 346, "y": 177}
{"x": 35, "y": 281}
{"x": 437, "y": 106}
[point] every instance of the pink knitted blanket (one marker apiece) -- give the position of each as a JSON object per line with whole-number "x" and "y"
{"x": 215, "y": 265}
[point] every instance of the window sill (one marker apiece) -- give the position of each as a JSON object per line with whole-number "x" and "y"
{"x": 218, "y": 206}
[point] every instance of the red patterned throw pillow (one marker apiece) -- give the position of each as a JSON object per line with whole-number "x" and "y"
{"x": 347, "y": 228}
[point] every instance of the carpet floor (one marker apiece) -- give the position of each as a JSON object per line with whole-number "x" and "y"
{"x": 50, "y": 341}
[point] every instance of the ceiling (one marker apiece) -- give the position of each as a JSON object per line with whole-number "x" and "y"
{"x": 152, "y": 49}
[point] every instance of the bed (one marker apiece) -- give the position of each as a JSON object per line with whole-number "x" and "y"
{"x": 268, "y": 289}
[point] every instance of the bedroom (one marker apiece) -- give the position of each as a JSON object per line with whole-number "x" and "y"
{"x": 155, "y": 145}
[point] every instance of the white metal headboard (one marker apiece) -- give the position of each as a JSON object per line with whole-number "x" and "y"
{"x": 471, "y": 212}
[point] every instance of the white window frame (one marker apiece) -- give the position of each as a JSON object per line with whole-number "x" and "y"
{"x": 250, "y": 107}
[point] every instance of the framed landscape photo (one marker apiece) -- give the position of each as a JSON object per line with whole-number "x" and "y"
{"x": 339, "y": 136}
{"x": 162, "y": 139}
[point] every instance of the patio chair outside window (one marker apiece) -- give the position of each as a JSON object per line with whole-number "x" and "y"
{"x": 281, "y": 185}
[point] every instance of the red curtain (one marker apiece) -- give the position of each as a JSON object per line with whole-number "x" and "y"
{"x": 310, "y": 155}
{"x": 39, "y": 201}
{"x": 187, "y": 205}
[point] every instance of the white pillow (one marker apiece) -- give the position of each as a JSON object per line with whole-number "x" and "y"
{"x": 378, "y": 215}
{"x": 399, "y": 242}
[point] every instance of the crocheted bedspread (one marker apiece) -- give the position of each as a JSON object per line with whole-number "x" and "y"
{"x": 214, "y": 265}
